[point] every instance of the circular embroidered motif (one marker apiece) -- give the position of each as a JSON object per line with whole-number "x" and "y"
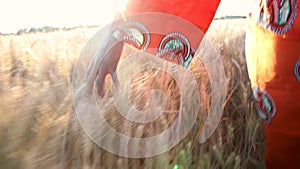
{"x": 297, "y": 70}
{"x": 133, "y": 33}
{"x": 265, "y": 105}
{"x": 175, "y": 47}
{"x": 278, "y": 15}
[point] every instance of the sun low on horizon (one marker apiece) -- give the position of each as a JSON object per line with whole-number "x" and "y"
{"x": 19, "y": 14}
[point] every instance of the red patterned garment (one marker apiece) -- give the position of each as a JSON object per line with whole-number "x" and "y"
{"x": 168, "y": 34}
{"x": 198, "y": 12}
{"x": 273, "y": 58}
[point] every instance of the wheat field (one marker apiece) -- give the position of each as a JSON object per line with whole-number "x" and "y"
{"x": 39, "y": 127}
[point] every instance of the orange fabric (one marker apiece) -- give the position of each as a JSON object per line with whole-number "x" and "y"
{"x": 198, "y": 13}
{"x": 271, "y": 59}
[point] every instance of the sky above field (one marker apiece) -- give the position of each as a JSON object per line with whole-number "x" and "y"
{"x": 20, "y": 14}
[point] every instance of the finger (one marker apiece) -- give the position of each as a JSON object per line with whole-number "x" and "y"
{"x": 94, "y": 64}
{"x": 92, "y": 71}
{"x": 100, "y": 83}
{"x": 115, "y": 79}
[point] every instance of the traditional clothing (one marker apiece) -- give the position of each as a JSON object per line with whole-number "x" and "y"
{"x": 273, "y": 58}
{"x": 167, "y": 36}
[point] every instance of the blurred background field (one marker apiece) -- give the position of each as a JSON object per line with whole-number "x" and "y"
{"x": 39, "y": 128}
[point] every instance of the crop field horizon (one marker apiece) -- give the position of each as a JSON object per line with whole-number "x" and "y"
{"x": 39, "y": 127}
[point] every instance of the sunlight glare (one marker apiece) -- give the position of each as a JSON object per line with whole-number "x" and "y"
{"x": 19, "y": 14}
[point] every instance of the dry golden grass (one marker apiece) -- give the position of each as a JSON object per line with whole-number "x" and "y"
{"x": 39, "y": 128}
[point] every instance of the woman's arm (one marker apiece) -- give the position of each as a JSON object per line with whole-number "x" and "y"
{"x": 198, "y": 12}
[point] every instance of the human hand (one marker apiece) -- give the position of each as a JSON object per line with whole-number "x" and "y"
{"x": 104, "y": 62}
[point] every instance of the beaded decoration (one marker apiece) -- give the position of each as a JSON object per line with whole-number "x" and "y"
{"x": 278, "y": 15}
{"x": 175, "y": 47}
{"x": 265, "y": 104}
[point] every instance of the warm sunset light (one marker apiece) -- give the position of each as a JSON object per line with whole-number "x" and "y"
{"x": 19, "y": 14}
